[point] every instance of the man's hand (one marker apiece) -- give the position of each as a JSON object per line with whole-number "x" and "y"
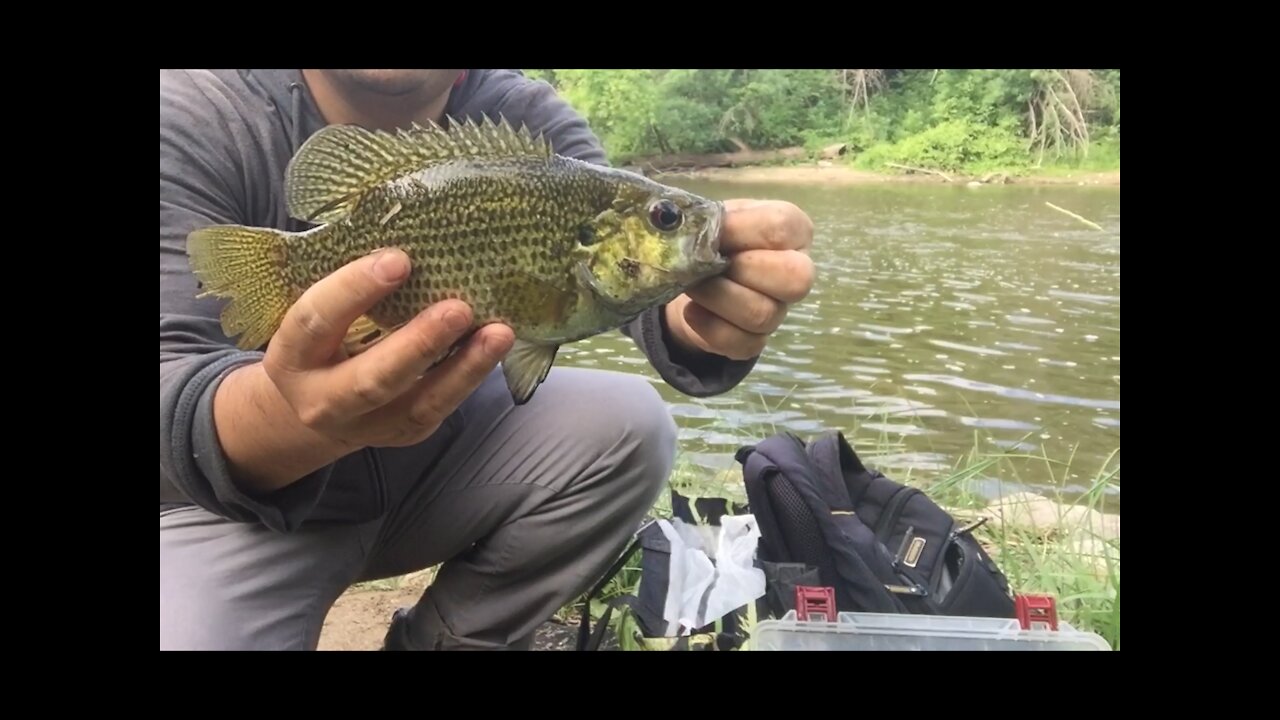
{"x": 733, "y": 315}
{"x": 307, "y": 404}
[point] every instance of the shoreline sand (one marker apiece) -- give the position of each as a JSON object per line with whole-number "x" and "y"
{"x": 841, "y": 175}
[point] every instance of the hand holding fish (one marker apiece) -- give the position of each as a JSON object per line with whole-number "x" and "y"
{"x": 390, "y": 395}
{"x": 323, "y": 405}
{"x": 530, "y": 249}
{"x": 734, "y": 314}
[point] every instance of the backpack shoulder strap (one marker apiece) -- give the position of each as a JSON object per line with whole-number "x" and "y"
{"x": 805, "y": 514}
{"x": 809, "y": 466}
{"x": 757, "y": 467}
{"x": 834, "y": 457}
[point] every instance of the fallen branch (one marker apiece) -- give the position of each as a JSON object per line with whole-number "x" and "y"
{"x": 666, "y": 163}
{"x": 1090, "y": 223}
{"x": 939, "y": 173}
{"x": 831, "y": 152}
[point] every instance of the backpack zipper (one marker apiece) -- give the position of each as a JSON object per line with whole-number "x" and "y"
{"x": 892, "y": 510}
{"x": 968, "y": 529}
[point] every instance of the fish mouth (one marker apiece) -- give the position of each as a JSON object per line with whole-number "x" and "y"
{"x": 706, "y": 248}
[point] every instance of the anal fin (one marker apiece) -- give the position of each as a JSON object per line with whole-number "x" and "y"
{"x": 526, "y": 366}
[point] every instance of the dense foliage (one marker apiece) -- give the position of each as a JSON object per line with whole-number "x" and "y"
{"x": 951, "y": 120}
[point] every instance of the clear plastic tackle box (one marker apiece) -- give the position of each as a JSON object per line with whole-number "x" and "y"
{"x": 875, "y": 631}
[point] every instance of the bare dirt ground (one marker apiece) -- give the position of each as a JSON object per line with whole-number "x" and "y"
{"x": 359, "y": 619}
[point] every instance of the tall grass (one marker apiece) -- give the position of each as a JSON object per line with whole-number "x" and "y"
{"x": 1065, "y": 547}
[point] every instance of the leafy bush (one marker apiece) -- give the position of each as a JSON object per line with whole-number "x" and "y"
{"x": 952, "y": 120}
{"x": 953, "y": 145}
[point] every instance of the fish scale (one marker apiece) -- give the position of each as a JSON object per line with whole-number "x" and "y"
{"x": 554, "y": 247}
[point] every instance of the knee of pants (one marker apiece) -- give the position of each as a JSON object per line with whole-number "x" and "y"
{"x": 624, "y": 416}
{"x": 652, "y": 430}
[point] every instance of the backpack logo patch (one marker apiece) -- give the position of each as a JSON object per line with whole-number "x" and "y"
{"x": 914, "y": 552}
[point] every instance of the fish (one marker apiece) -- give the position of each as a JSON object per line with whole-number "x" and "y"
{"x": 557, "y": 248}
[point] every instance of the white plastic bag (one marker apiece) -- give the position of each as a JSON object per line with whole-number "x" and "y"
{"x": 701, "y": 590}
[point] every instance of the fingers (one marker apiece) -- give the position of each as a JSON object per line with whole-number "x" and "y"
{"x": 711, "y": 333}
{"x": 765, "y": 225}
{"x": 416, "y": 414}
{"x": 313, "y": 329}
{"x": 733, "y": 315}
{"x": 786, "y": 275}
{"x": 719, "y": 334}
{"x": 747, "y": 309}
{"x": 390, "y": 368}
{"x": 447, "y": 385}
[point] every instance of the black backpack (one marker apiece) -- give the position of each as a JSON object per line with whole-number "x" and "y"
{"x": 826, "y": 520}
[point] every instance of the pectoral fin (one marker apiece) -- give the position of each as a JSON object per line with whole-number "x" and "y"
{"x": 364, "y": 333}
{"x": 622, "y": 307}
{"x": 526, "y": 366}
{"x": 588, "y": 279}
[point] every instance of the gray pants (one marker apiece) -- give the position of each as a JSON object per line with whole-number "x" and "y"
{"x": 526, "y": 508}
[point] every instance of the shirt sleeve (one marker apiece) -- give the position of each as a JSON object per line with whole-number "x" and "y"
{"x": 204, "y": 180}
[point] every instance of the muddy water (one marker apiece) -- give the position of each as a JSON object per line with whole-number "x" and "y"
{"x": 945, "y": 321}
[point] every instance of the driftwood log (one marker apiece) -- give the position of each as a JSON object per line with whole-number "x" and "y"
{"x": 666, "y": 163}
{"x": 832, "y": 152}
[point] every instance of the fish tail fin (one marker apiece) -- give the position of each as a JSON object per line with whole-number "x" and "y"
{"x": 247, "y": 266}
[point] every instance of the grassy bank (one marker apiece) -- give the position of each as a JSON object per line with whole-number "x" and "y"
{"x": 1065, "y": 547}
{"x": 1069, "y": 548}
{"x": 1044, "y": 543}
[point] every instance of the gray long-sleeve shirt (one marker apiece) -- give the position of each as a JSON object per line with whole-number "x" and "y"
{"x": 226, "y": 137}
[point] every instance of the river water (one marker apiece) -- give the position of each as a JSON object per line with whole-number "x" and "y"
{"x": 945, "y": 321}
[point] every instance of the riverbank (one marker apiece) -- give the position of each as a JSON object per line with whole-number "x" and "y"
{"x": 1044, "y": 544}
{"x": 1069, "y": 550}
{"x": 843, "y": 175}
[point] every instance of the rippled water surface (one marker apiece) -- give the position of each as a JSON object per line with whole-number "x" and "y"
{"x": 944, "y": 319}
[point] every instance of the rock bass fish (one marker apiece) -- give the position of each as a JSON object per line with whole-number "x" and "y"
{"x": 556, "y": 248}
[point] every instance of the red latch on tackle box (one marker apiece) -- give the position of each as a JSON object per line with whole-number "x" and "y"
{"x": 1037, "y": 612}
{"x": 815, "y": 603}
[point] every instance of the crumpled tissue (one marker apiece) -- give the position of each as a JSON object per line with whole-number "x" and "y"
{"x": 711, "y": 572}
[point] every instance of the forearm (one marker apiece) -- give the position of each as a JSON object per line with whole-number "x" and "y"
{"x": 266, "y": 446}
{"x": 224, "y": 445}
{"x": 195, "y": 465}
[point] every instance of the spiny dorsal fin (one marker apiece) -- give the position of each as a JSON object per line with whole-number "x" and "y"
{"x": 338, "y": 164}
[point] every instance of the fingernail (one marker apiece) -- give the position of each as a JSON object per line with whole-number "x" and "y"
{"x": 455, "y": 320}
{"x": 390, "y": 266}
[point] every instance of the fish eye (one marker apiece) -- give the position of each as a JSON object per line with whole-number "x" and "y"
{"x": 665, "y": 215}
